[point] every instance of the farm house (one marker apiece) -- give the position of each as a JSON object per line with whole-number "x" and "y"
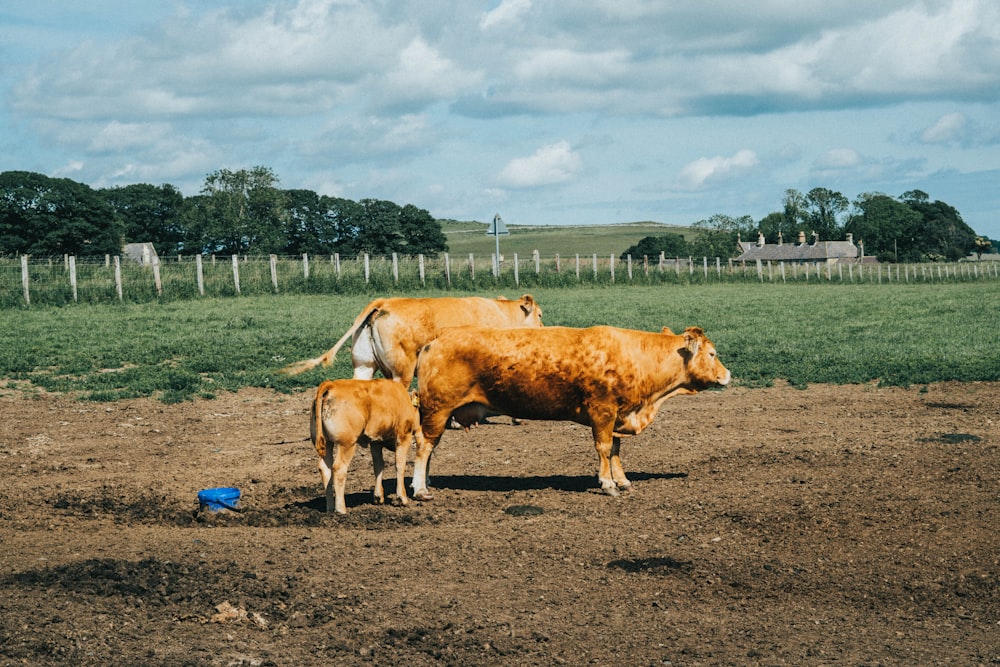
{"x": 830, "y": 252}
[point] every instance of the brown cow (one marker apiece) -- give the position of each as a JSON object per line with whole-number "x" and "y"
{"x": 613, "y": 380}
{"x": 389, "y": 333}
{"x": 376, "y": 413}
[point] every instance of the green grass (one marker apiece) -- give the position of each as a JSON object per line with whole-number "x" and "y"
{"x": 804, "y": 333}
{"x": 568, "y": 241}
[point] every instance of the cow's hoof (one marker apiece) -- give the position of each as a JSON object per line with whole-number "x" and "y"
{"x": 379, "y": 501}
{"x": 627, "y": 486}
{"x": 610, "y": 490}
{"x": 423, "y": 495}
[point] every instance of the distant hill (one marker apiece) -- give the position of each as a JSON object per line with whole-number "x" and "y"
{"x": 567, "y": 240}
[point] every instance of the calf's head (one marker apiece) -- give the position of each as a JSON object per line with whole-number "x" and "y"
{"x": 701, "y": 361}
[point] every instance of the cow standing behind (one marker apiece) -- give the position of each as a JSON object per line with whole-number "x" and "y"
{"x": 375, "y": 413}
{"x": 613, "y": 380}
{"x": 389, "y": 333}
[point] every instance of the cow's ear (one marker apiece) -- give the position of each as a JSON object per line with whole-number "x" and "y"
{"x": 527, "y": 304}
{"x": 692, "y": 341}
{"x": 666, "y": 331}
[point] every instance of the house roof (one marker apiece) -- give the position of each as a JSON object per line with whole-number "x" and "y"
{"x": 797, "y": 252}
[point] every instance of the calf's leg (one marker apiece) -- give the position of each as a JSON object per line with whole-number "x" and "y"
{"x": 345, "y": 451}
{"x": 326, "y": 474}
{"x": 378, "y": 463}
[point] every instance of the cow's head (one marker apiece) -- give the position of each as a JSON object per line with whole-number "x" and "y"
{"x": 531, "y": 309}
{"x": 703, "y": 366}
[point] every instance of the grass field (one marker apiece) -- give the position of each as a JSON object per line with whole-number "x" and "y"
{"x": 804, "y": 333}
{"x": 585, "y": 240}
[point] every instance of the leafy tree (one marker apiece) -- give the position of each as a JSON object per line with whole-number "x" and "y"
{"x": 53, "y": 216}
{"x": 670, "y": 244}
{"x": 422, "y": 232}
{"x": 825, "y": 208}
{"x": 795, "y": 211}
{"x": 150, "y": 214}
{"x": 239, "y": 212}
{"x": 880, "y": 222}
{"x": 943, "y": 234}
{"x": 719, "y": 235}
{"x": 983, "y": 244}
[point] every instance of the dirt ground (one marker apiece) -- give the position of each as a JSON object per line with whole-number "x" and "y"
{"x": 839, "y": 525}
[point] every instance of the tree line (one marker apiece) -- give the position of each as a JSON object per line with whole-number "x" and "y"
{"x": 246, "y": 212}
{"x": 236, "y": 212}
{"x": 910, "y": 228}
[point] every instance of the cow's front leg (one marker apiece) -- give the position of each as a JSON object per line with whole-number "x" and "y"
{"x": 340, "y": 464}
{"x": 617, "y": 471}
{"x": 402, "y": 449}
{"x": 378, "y": 463}
{"x": 605, "y": 444}
{"x": 432, "y": 426}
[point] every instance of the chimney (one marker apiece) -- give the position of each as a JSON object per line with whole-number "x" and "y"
{"x": 814, "y": 238}
{"x": 780, "y": 242}
{"x": 850, "y": 238}
{"x": 760, "y": 239}
{"x": 802, "y": 238}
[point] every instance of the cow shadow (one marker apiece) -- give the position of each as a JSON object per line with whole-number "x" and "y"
{"x": 499, "y": 483}
{"x": 574, "y": 483}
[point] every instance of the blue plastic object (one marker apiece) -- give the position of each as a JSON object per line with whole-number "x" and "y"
{"x": 219, "y": 499}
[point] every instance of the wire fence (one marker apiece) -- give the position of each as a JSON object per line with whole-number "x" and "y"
{"x": 26, "y": 281}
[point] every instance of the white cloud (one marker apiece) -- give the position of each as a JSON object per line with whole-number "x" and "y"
{"x": 839, "y": 158}
{"x": 506, "y": 13}
{"x": 949, "y": 127}
{"x": 549, "y": 165}
{"x": 702, "y": 171}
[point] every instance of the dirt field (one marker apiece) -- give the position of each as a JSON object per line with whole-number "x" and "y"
{"x": 834, "y": 525}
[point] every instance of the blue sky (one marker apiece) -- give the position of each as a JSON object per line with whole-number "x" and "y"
{"x": 592, "y": 111}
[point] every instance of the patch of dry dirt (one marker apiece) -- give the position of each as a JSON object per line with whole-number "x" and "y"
{"x": 833, "y": 525}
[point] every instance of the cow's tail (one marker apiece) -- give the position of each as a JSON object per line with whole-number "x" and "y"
{"x": 319, "y": 436}
{"x": 327, "y": 357}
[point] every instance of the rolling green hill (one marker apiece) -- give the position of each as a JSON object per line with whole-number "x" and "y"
{"x": 585, "y": 240}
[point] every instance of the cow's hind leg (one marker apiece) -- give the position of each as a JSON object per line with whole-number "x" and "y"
{"x": 345, "y": 451}
{"x": 378, "y": 463}
{"x": 326, "y": 474}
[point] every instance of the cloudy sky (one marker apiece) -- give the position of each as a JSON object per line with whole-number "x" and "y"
{"x": 547, "y": 112}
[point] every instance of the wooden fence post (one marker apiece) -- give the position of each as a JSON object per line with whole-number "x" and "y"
{"x": 538, "y": 262}
{"x": 611, "y": 267}
{"x": 305, "y": 267}
{"x": 236, "y": 273}
{"x": 200, "y": 274}
{"x": 447, "y": 269}
{"x": 578, "y": 267}
{"x": 25, "y": 283}
{"x": 557, "y": 263}
{"x": 72, "y": 275}
{"x": 118, "y": 276}
{"x": 472, "y": 266}
{"x": 517, "y": 278}
{"x": 156, "y": 276}
{"x": 367, "y": 269}
{"x": 395, "y": 268}
{"x": 420, "y": 264}
{"x": 629, "y": 265}
{"x": 274, "y": 271}
{"x": 595, "y": 266}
